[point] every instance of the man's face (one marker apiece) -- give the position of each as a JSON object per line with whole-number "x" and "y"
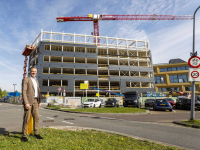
{"x": 33, "y": 72}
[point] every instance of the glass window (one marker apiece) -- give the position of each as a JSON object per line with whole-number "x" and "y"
{"x": 164, "y": 69}
{"x": 159, "y": 79}
{"x": 169, "y": 69}
{"x": 183, "y": 68}
{"x": 178, "y": 78}
{"x": 189, "y": 88}
{"x": 187, "y": 67}
{"x": 173, "y": 68}
{"x": 178, "y": 68}
{"x": 161, "y": 69}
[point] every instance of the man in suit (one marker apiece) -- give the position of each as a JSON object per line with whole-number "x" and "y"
{"x": 31, "y": 102}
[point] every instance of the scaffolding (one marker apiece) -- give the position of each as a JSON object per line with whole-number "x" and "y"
{"x": 110, "y": 51}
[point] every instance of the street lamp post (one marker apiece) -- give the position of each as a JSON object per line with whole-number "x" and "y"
{"x": 192, "y": 116}
{"x": 14, "y": 87}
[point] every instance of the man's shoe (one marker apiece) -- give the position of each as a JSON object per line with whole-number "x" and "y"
{"x": 38, "y": 136}
{"x": 24, "y": 139}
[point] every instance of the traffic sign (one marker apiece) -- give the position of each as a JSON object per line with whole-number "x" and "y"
{"x": 64, "y": 90}
{"x": 194, "y": 74}
{"x": 59, "y": 89}
{"x": 194, "y": 62}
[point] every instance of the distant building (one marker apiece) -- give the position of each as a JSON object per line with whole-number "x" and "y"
{"x": 173, "y": 76}
{"x": 112, "y": 64}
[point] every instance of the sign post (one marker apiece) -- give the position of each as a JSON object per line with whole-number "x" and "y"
{"x": 83, "y": 86}
{"x": 195, "y": 63}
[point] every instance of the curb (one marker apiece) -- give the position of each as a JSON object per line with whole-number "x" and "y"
{"x": 95, "y": 113}
{"x": 186, "y": 125}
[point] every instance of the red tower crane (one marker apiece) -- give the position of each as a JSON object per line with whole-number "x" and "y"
{"x": 96, "y": 17}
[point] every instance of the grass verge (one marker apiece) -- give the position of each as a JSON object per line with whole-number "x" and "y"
{"x": 192, "y": 123}
{"x": 104, "y": 109}
{"x": 80, "y": 139}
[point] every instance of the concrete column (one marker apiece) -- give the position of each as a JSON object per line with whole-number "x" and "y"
{"x": 48, "y": 82}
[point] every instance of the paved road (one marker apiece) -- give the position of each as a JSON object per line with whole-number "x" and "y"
{"x": 134, "y": 125}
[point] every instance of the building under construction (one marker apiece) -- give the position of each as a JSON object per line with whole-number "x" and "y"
{"x": 113, "y": 64}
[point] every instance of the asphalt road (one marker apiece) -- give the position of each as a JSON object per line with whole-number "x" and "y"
{"x": 155, "y": 126}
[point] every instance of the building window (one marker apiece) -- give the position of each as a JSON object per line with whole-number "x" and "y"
{"x": 163, "y": 69}
{"x": 159, "y": 79}
{"x": 187, "y": 67}
{"x": 168, "y": 89}
{"x": 175, "y": 68}
{"x": 189, "y": 88}
{"x": 178, "y": 78}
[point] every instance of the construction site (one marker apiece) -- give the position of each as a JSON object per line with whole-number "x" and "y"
{"x": 111, "y": 66}
{"x": 116, "y": 65}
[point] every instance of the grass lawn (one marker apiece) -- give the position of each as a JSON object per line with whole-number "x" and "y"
{"x": 190, "y": 122}
{"x": 73, "y": 140}
{"x": 105, "y": 109}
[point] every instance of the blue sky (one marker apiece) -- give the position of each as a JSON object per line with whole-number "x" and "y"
{"x": 22, "y": 20}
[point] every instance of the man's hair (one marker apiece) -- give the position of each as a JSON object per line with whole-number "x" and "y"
{"x": 33, "y": 68}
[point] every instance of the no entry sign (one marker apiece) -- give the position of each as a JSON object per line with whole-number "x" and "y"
{"x": 194, "y": 62}
{"x": 194, "y": 74}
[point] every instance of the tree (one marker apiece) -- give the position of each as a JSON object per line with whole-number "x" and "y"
{"x": 4, "y": 93}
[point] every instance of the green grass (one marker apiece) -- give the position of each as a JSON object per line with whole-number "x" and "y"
{"x": 190, "y": 122}
{"x": 77, "y": 140}
{"x": 105, "y": 109}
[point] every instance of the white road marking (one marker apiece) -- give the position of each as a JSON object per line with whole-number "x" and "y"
{"x": 19, "y": 109}
{"x": 40, "y": 115}
{"x": 174, "y": 111}
{"x": 50, "y": 118}
{"x": 67, "y": 122}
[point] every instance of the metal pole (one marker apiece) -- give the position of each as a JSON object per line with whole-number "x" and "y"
{"x": 192, "y": 115}
{"x": 14, "y": 87}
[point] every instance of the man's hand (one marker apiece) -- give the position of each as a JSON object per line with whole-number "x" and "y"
{"x": 27, "y": 106}
{"x": 39, "y": 105}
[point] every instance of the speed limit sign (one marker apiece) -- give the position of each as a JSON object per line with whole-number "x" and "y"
{"x": 194, "y": 62}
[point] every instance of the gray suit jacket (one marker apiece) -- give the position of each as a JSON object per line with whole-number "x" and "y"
{"x": 28, "y": 91}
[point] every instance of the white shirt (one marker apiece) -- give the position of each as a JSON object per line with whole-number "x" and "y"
{"x": 35, "y": 86}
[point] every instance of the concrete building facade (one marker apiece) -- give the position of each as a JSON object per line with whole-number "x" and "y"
{"x": 112, "y": 64}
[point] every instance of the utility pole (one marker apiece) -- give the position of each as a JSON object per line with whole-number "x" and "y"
{"x": 14, "y": 87}
{"x": 192, "y": 115}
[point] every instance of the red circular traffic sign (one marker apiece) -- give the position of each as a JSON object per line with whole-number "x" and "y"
{"x": 194, "y": 62}
{"x": 194, "y": 74}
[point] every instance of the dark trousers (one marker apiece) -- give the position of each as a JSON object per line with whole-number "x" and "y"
{"x": 34, "y": 110}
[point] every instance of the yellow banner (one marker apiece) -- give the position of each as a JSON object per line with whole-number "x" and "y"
{"x": 83, "y": 86}
{"x": 97, "y": 94}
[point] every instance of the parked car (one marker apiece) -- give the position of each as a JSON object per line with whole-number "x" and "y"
{"x": 162, "y": 104}
{"x": 112, "y": 102}
{"x": 131, "y": 99}
{"x": 92, "y": 103}
{"x": 185, "y": 103}
{"x": 171, "y": 101}
{"x": 149, "y": 102}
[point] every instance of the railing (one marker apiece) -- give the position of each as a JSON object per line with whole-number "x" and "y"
{"x": 89, "y": 40}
